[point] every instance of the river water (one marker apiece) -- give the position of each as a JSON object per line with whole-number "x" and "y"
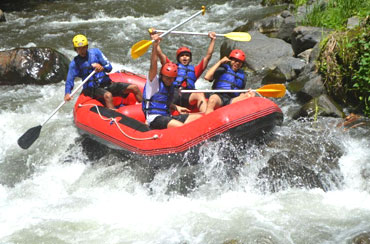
{"x": 55, "y": 193}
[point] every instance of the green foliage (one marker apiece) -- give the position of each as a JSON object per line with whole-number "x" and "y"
{"x": 361, "y": 77}
{"x": 275, "y": 2}
{"x": 298, "y": 3}
{"x": 334, "y": 13}
{"x": 345, "y": 64}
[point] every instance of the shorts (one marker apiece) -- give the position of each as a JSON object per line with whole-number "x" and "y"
{"x": 225, "y": 98}
{"x": 116, "y": 88}
{"x": 161, "y": 122}
{"x": 181, "y": 99}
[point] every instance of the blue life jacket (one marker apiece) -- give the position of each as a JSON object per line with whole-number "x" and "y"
{"x": 160, "y": 102}
{"x": 81, "y": 67}
{"x": 185, "y": 77}
{"x": 230, "y": 80}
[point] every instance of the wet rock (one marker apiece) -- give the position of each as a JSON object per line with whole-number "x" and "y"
{"x": 286, "y": 69}
{"x": 308, "y": 85}
{"x": 305, "y": 55}
{"x": 314, "y": 87}
{"x": 269, "y": 25}
{"x": 32, "y": 66}
{"x": 314, "y": 53}
{"x": 183, "y": 180}
{"x": 353, "y": 22}
{"x": 320, "y": 106}
{"x": 309, "y": 159}
{"x": 286, "y": 14}
{"x": 282, "y": 172}
{"x": 19, "y": 5}
{"x": 304, "y": 37}
{"x": 363, "y": 238}
{"x": 286, "y": 29}
{"x": 2, "y": 16}
{"x": 261, "y": 52}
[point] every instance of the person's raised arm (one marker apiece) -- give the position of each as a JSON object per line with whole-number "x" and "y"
{"x": 210, "y": 73}
{"x": 162, "y": 57}
{"x": 154, "y": 58}
{"x": 211, "y": 47}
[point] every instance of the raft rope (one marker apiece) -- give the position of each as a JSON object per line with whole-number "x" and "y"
{"x": 155, "y": 136}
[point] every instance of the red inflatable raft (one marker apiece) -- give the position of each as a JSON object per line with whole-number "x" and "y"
{"x": 125, "y": 128}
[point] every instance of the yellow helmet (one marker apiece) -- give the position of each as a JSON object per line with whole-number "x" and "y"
{"x": 80, "y": 41}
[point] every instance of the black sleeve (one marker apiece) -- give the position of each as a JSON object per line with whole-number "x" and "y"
{"x": 245, "y": 80}
{"x": 219, "y": 71}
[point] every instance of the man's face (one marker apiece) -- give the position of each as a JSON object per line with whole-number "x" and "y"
{"x": 168, "y": 80}
{"x": 235, "y": 64}
{"x": 82, "y": 51}
{"x": 184, "y": 58}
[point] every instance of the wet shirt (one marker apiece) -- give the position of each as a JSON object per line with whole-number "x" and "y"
{"x": 81, "y": 67}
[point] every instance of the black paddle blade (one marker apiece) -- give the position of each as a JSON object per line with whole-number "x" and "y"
{"x": 29, "y": 137}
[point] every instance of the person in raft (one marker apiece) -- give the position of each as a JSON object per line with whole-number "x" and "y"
{"x": 188, "y": 74}
{"x": 100, "y": 86}
{"x": 158, "y": 93}
{"x": 227, "y": 74}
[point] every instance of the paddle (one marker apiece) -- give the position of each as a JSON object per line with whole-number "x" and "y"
{"x": 236, "y": 36}
{"x": 28, "y": 138}
{"x": 141, "y": 47}
{"x": 272, "y": 90}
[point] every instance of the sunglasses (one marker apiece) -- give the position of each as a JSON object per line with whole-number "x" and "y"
{"x": 236, "y": 60}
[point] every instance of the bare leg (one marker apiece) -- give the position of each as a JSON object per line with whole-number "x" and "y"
{"x": 200, "y": 99}
{"x": 108, "y": 100}
{"x": 174, "y": 123}
{"x": 134, "y": 89}
{"x": 242, "y": 97}
{"x": 192, "y": 117}
{"x": 213, "y": 103}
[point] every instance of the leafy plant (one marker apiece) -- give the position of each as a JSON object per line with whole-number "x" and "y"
{"x": 345, "y": 64}
{"x": 334, "y": 13}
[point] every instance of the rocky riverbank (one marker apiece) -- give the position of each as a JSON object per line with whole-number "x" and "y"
{"x": 281, "y": 51}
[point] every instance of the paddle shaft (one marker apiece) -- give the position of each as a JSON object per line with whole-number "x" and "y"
{"x": 188, "y": 19}
{"x": 215, "y": 91}
{"x": 72, "y": 93}
{"x": 189, "y": 33}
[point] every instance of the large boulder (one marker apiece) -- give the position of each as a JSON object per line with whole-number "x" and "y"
{"x": 261, "y": 52}
{"x": 282, "y": 172}
{"x": 286, "y": 69}
{"x": 32, "y": 66}
{"x": 287, "y": 28}
{"x": 322, "y": 105}
{"x": 309, "y": 159}
{"x": 308, "y": 85}
{"x": 269, "y": 25}
{"x": 306, "y": 37}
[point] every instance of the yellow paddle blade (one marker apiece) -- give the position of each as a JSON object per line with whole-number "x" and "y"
{"x": 140, "y": 48}
{"x": 272, "y": 90}
{"x": 239, "y": 36}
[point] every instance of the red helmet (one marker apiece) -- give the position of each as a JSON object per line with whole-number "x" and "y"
{"x": 169, "y": 69}
{"x": 238, "y": 54}
{"x": 182, "y": 50}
